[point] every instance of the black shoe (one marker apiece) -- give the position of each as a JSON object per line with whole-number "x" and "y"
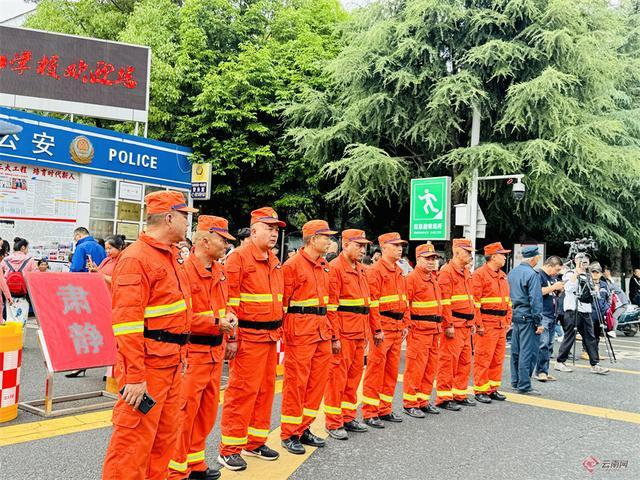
{"x": 483, "y": 398}
{"x": 293, "y": 445}
{"x": 497, "y": 396}
{"x": 374, "y": 422}
{"x": 232, "y": 462}
{"x": 413, "y": 412}
{"x": 355, "y": 426}
{"x": 263, "y": 452}
{"x": 450, "y": 405}
{"x": 467, "y": 402}
{"x": 208, "y": 474}
{"x": 77, "y": 373}
{"x": 338, "y": 433}
{"x": 308, "y": 438}
{"x": 391, "y": 417}
{"x": 428, "y": 408}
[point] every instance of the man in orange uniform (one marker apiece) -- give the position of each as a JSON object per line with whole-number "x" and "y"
{"x": 151, "y": 318}
{"x": 491, "y": 290}
{"x": 256, "y": 286}
{"x": 307, "y": 336}
{"x": 423, "y": 340}
{"x": 389, "y": 307}
{"x": 205, "y": 350}
{"x": 458, "y": 313}
{"x": 348, "y": 311}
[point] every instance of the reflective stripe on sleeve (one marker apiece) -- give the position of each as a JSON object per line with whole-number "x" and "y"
{"x": 351, "y": 302}
{"x": 160, "y": 310}
{"x": 128, "y": 328}
{"x": 429, "y": 304}
{"x": 310, "y": 302}
{"x": 389, "y": 299}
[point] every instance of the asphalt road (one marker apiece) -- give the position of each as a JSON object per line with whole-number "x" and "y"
{"x": 546, "y": 437}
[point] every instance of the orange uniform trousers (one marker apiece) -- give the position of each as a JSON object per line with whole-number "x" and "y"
{"x": 489, "y": 359}
{"x": 306, "y": 369}
{"x": 200, "y": 399}
{"x": 341, "y": 394}
{"x": 246, "y": 415}
{"x": 381, "y": 375}
{"x": 420, "y": 369}
{"x": 454, "y": 365}
{"x": 141, "y": 445}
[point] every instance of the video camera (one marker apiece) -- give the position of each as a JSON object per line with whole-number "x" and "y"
{"x": 583, "y": 245}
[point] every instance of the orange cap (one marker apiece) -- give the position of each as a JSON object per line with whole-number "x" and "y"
{"x": 426, "y": 250}
{"x": 463, "y": 243}
{"x": 164, "y": 201}
{"x": 211, "y": 224}
{"x": 494, "y": 248}
{"x": 266, "y": 215}
{"x": 317, "y": 227}
{"x": 354, "y": 235}
{"x": 393, "y": 238}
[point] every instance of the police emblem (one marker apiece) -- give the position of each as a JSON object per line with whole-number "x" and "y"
{"x": 81, "y": 150}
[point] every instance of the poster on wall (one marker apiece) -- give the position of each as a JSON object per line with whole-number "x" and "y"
{"x": 39, "y": 204}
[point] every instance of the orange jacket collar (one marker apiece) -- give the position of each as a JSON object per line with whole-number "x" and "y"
{"x": 321, "y": 261}
{"x": 155, "y": 243}
{"x": 259, "y": 254}
{"x": 391, "y": 268}
{"x": 201, "y": 269}
{"x": 347, "y": 264}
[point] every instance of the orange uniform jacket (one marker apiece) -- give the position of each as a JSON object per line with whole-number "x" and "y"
{"x": 256, "y": 287}
{"x": 209, "y": 290}
{"x": 306, "y": 284}
{"x": 491, "y": 291}
{"x": 150, "y": 291}
{"x": 348, "y": 287}
{"x": 425, "y": 298}
{"x": 388, "y": 294}
{"x": 457, "y": 295}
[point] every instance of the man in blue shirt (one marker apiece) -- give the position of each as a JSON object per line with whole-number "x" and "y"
{"x": 86, "y": 248}
{"x": 551, "y": 288}
{"x": 526, "y": 297}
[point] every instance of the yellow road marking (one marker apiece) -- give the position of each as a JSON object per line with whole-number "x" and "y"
{"x": 30, "y": 431}
{"x": 577, "y": 365}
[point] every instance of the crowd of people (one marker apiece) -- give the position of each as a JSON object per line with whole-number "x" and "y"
{"x": 181, "y": 308}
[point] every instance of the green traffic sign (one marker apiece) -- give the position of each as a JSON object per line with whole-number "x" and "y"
{"x": 430, "y": 208}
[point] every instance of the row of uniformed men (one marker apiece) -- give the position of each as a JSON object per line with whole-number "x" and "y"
{"x": 167, "y": 314}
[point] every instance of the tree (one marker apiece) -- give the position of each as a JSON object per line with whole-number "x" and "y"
{"x": 557, "y": 84}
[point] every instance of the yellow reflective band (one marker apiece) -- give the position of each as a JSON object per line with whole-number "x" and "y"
{"x": 310, "y": 302}
{"x": 332, "y": 308}
{"x": 258, "y": 432}
{"x": 203, "y": 314}
{"x": 325, "y": 299}
{"x": 349, "y": 406}
{"x": 385, "y": 398}
{"x": 374, "y": 304}
{"x": 482, "y": 388}
{"x": 459, "y": 298}
{"x": 307, "y": 412}
{"x": 404, "y": 297}
{"x": 445, "y": 301}
{"x": 494, "y": 384}
{"x": 332, "y": 410}
{"x": 485, "y": 300}
{"x": 477, "y": 305}
{"x": 222, "y": 312}
{"x": 160, "y": 310}
{"x": 233, "y": 440}
{"x": 178, "y": 467}
{"x": 389, "y": 298}
{"x": 443, "y": 393}
{"x": 233, "y": 302}
{"x": 280, "y": 297}
{"x": 256, "y": 297}
{"x": 423, "y": 396}
{"x": 455, "y": 391}
{"x": 195, "y": 457}
{"x": 408, "y": 396}
{"x": 371, "y": 401}
{"x": 128, "y": 328}
{"x": 287, "y": 419}
{"x": 351, "y": 302}
{"x": 429, "y": 304}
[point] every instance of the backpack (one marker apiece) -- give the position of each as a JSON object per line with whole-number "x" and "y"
{"x": 15, "y": 279}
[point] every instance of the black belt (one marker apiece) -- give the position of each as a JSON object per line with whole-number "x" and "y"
{"x": 427, "y": 318}
{"x": 394, "y": 315}
{"x": 308, "y": 310}
{"x": 255, "y": 325}
{"x": 211, "y": 340}
{"x": 464, "y": 316}
{"x": 497, "y": 313}
{"x": 347, "y": 308}
{"x": 167, "y": 337}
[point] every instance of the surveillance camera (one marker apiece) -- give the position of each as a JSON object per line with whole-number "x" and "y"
{"x": 518, "y": 190}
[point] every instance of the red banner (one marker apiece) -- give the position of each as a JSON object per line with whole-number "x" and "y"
{"x": 74, "y": 313}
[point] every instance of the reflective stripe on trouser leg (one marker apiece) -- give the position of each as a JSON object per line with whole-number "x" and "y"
{"x": 463, "y": 368}
{"x": 246, "y": 413}
{"x": 483, "y": 354}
